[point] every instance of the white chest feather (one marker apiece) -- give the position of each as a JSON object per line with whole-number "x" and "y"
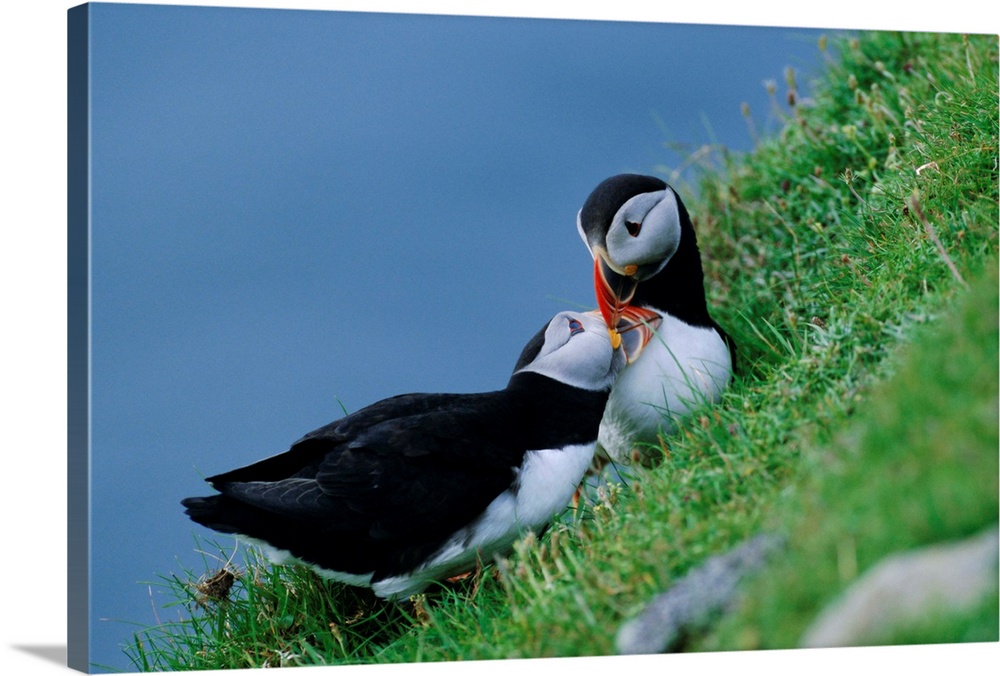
{"x": 544, "y": 487}
{"x": 682, "y": 367}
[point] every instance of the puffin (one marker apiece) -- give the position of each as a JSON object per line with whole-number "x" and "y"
{"x": 646, "y": 256}
{"x": 419, "y": 488}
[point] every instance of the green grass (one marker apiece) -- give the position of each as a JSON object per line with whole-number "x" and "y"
{"x": 917, "y": 466}
{"x": 257, "y": 615}
{"x": 862, "y": 294}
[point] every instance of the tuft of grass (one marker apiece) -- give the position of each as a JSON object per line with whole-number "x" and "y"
{"x": 977, "y": 625}
{"x": 828, "y": 250}
{"x": 260, "y": 615}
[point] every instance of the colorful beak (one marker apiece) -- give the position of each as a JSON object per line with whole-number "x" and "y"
{"x": 636, "y": 327}
{"x": 613, "y": 291}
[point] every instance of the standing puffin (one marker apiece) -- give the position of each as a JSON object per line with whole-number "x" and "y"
{"x": 646, "y": 256}
{"x": 419, "y": 487}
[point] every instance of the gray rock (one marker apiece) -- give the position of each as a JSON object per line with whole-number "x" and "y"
{"x": 696, "y": 599}
{"x": 903, "y": 588}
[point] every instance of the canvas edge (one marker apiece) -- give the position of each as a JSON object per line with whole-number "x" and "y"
{"x": 78, "y": 338}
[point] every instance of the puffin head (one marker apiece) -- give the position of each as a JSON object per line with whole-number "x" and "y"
{"x": 632, "y": 226}
{"x": 579, "y": 349}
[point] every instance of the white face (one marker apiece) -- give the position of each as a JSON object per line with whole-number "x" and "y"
{"x": 644, "y": 234}
{"x": 576, "y": 350}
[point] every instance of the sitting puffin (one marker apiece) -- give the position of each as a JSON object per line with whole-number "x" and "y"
{"x": 419, "y": 487}
{"x": 646, "y": 256}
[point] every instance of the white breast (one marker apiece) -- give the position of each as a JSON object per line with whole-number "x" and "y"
{"x": 682, "y": 367}
{"x": 544, "y": 487}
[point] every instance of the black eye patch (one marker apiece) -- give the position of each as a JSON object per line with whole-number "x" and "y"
{"x": 633, "y": 228}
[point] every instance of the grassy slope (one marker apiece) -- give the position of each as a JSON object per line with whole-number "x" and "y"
{"x": 917, "y": 466}
{"x": 825, "y": 250}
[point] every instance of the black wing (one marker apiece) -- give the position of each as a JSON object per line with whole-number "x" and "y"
{"x": 403, "y": 473}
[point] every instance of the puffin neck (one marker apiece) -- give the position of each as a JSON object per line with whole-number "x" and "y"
{"x": 543, "y": 388}
{"x": 679, "y": 288}
{"x": 551, "y": 414}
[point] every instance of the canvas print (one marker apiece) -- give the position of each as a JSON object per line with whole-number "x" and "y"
{"x": 403, "y": 338}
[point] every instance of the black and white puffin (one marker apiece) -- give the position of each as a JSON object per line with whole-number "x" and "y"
{"x": 646, "y": 256}
{"x": 419, "y": 487}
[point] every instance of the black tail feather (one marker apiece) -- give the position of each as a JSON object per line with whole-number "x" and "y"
{"x": 319, "y": 544}
{"x": 220, "y": 513}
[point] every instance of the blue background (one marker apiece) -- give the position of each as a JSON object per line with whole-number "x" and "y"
{"x": 294, "y": 211}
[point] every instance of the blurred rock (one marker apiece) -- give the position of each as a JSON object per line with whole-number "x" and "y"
{"x": 696, "y": 599}
{"x": 903, "y": 588}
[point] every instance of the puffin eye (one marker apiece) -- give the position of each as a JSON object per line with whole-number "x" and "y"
{"x": 633, "y": 228}
{"x": 575, "y": 327}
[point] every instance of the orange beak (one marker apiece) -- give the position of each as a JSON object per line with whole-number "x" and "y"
{"x": 634, "y": 329}
{"x": 637, "y": 326}
{"x": 613, "y": 291}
